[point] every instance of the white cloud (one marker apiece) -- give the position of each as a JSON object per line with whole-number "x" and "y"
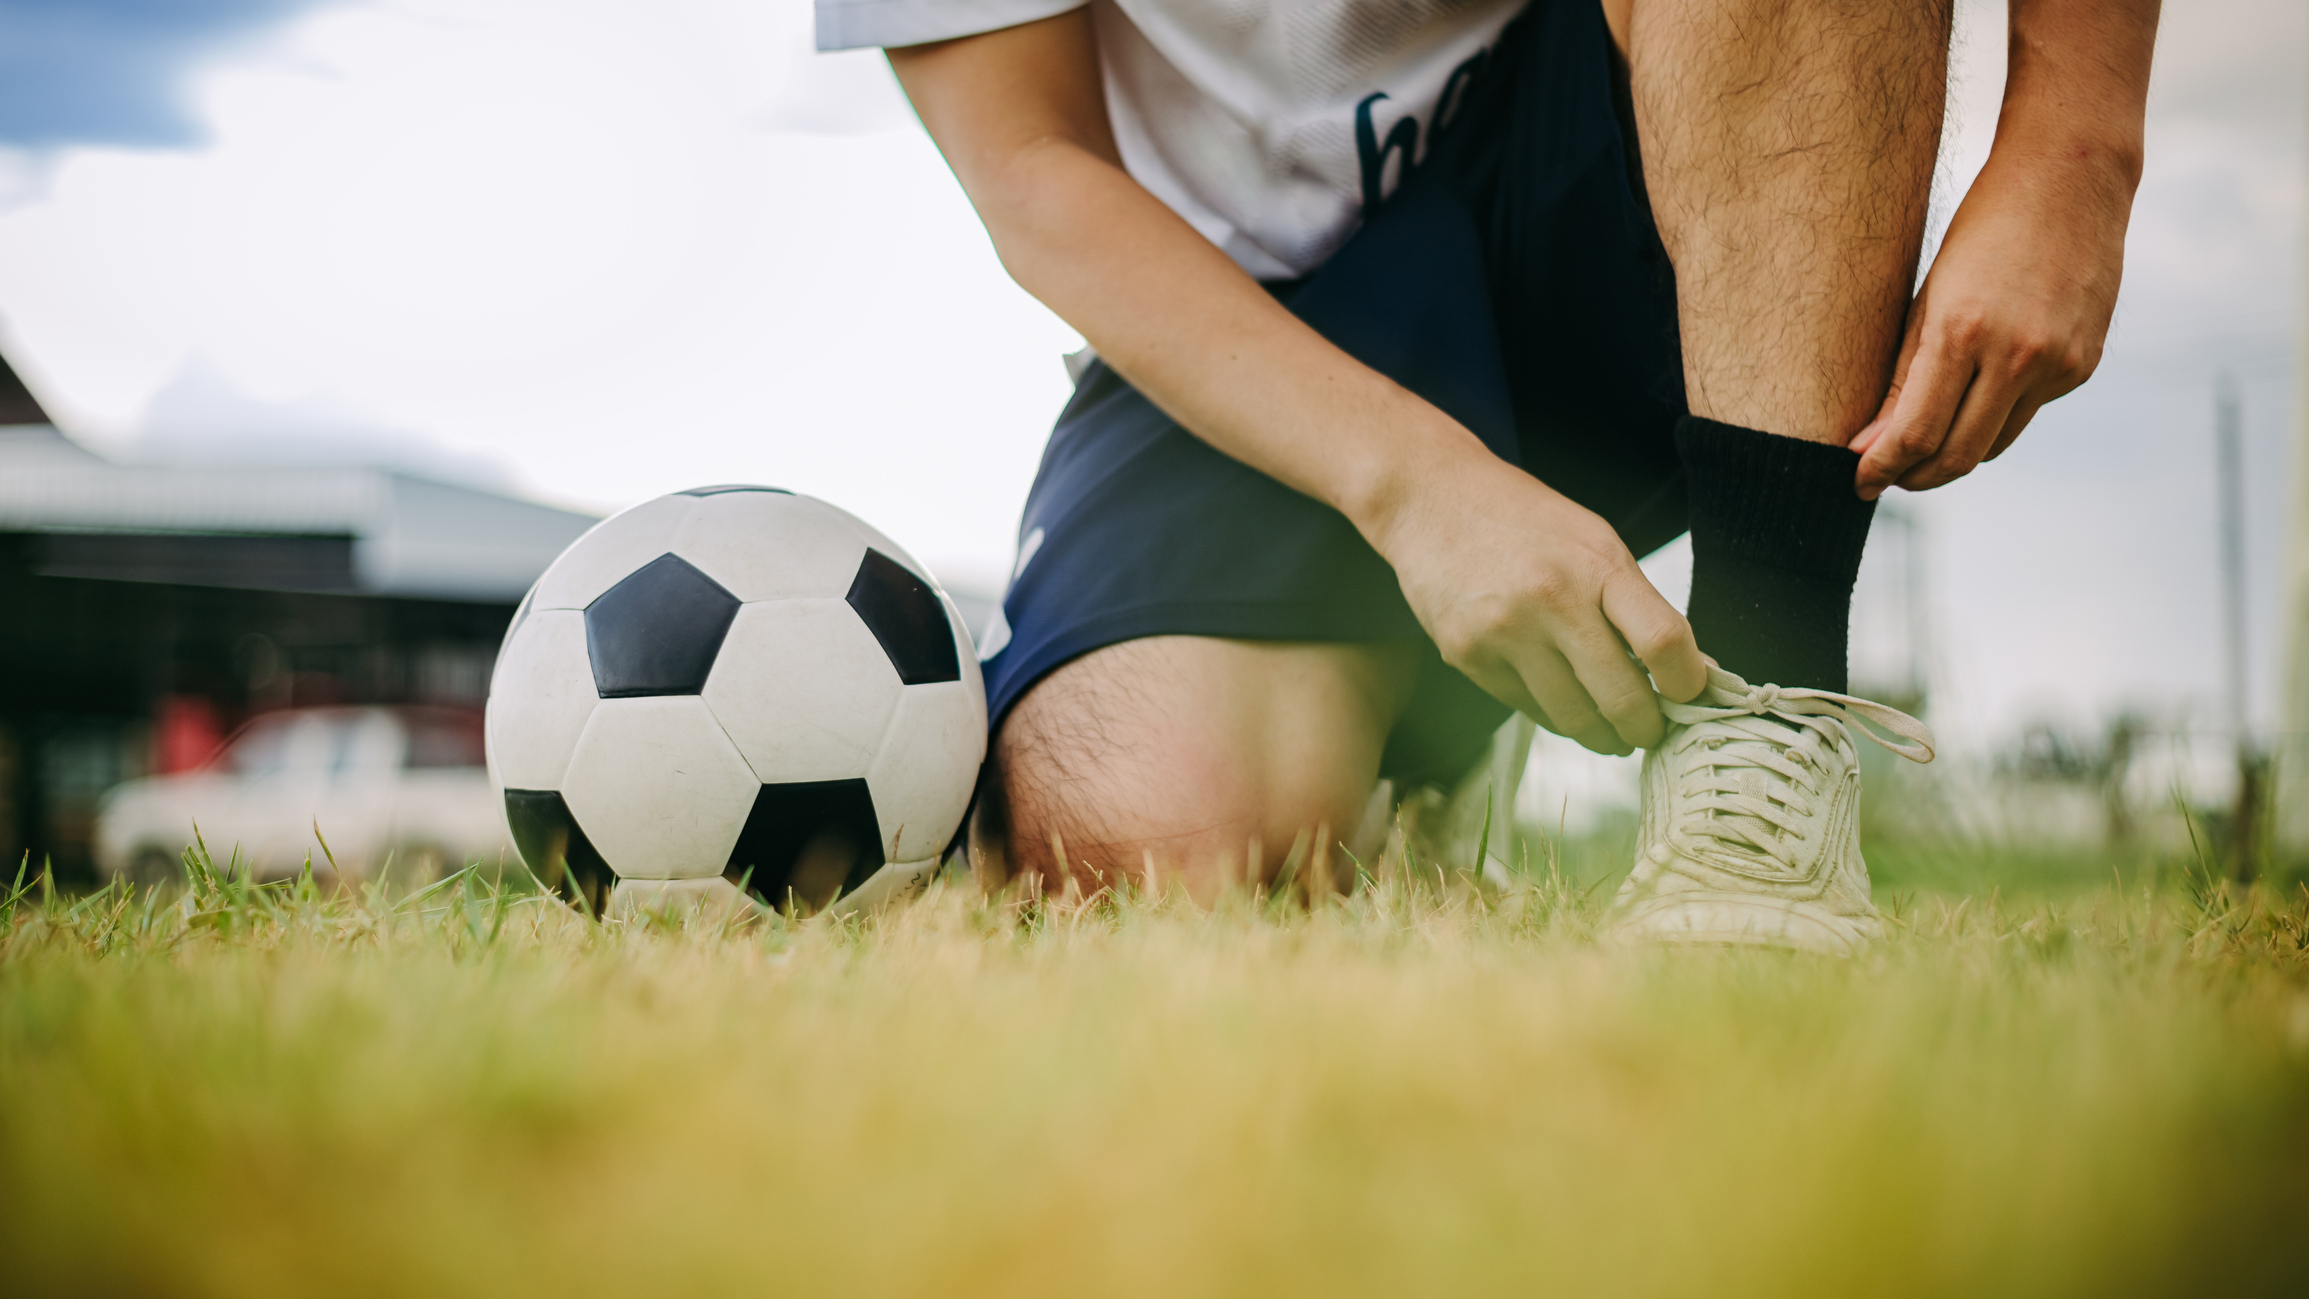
{"x": 563, "y": 235}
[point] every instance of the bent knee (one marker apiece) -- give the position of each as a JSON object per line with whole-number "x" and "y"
{"x": 1191, "y": 759}
{"x": 1225, "y": 824}
{"x": 1127, "y": 824}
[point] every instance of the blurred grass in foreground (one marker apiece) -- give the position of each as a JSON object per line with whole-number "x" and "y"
{"x": 262, "y": 1090}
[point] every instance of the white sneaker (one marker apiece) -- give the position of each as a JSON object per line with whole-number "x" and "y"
{"x": 1750, "y": 826}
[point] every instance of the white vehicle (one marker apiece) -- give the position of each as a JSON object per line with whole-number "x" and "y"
{"x": 403, "y": 784}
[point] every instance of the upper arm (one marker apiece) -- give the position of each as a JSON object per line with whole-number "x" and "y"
{"x": 986, "y": 99}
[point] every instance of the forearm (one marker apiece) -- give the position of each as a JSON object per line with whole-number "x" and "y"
{"x": 1021, "y": 117}
{"x": 1500, "y": 569}
{"x": 2076, "y": 91}
{"x": 1204, "y": 341}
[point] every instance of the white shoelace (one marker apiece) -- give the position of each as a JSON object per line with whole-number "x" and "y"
{"x": 1756, "y": 787}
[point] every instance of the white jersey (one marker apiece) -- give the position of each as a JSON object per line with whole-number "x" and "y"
{"x": 1270, "y": 125}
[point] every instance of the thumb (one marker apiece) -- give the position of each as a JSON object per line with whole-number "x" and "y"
{"x": 1918, "y": 422}
{"x": 1659, "y": 637}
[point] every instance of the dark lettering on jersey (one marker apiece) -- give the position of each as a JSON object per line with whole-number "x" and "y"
{"x": 1402, "y": 142}
{"x": 1404, "y": 135}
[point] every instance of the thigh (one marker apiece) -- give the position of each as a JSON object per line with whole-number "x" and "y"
{"x": 1204, "y": 756}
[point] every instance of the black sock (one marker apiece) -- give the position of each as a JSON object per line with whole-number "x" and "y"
{"x": 1776, "y": 538}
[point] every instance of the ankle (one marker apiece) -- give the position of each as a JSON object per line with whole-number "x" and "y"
{"x": 1777, "y": 534}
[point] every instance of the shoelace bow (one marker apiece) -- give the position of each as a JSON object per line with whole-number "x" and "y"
{"x": 1718, "y": 798}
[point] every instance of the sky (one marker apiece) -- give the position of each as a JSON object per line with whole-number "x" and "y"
{"x": 591, "y": 252}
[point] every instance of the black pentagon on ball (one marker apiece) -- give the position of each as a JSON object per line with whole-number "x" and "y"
{"x": 807, "y": 843}
{"x": 905, "y": 615}
{"x": 657, "y": 631}
{"x": 555, "y": 849}
{"x": 720, "y": 489}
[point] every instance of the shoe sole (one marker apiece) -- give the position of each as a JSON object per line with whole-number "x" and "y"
{"x": 1744, "y": 920}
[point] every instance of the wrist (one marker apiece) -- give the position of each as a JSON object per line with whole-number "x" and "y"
{"x": 1407, "y": 462}
{"x": 2068, "y": 176}
{"x": 2048, "y": 143}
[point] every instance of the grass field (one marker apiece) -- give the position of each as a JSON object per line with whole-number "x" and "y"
{"x": 2099, "y": 1089}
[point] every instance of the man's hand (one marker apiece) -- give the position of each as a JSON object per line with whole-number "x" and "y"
{"x": 2013, "y": 314}
{"x": 1537, "y": 600}
{"x": 2017, "y": 305}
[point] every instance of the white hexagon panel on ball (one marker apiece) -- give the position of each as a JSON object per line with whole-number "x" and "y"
{"x": 919, "y": 779}
{"x": 540, "y": 697}
{"x": 804, "y": 690}
{"x": 658, "y": 788}
{"x": 766, "y": 544}
{"x": 971, "y": 676}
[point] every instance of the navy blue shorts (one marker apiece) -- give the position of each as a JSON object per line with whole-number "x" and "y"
{"x": 1514, "y": 279}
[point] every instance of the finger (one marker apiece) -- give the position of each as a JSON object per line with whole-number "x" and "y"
{"x": 1497, "y": 678}
{"x": 1919, "y": 421}
{"x": 2023, "y": 411}
{"x": 1557, "y": 688}
{"x": 1927, "y": 406}
{"x": 1615, "y": 681}
{"x": 1656, "y": 634}
{"x": 1874, "y": 428}
{"x": 1986, "y": 405}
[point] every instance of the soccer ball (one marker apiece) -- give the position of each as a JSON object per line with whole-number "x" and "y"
{"x": 734, "y": 688}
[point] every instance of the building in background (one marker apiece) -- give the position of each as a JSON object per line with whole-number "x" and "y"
{"x": 146, "y": 611}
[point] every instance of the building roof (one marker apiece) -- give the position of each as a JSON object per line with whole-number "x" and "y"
{"x": 408, "y": 536}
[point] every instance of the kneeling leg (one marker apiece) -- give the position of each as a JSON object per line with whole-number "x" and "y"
{"x": 1197, "y": 759}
